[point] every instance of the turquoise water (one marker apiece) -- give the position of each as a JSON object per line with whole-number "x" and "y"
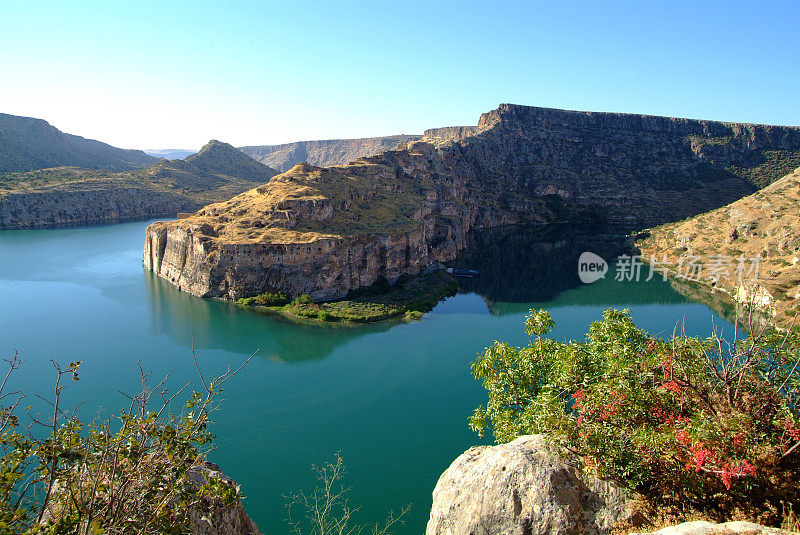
{"x": 392, "y": 399}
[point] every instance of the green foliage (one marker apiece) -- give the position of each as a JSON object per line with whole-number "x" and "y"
{"x": 688, "y": 420}
{"x": 140, "y": 472}
{"x": 266, "y": 299}
{"x": 304, "y": 299}
{"x": 408, "y": 298}
{"x": 774, "y": 165}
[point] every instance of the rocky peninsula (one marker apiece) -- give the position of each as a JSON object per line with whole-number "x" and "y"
{"x": 327, "y": 231}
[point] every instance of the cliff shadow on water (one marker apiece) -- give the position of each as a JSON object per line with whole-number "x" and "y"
{"x": 215, "y": 324}
{"x": 521, "y": 266}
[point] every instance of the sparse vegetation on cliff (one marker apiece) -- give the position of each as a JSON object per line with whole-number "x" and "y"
{"x": 707, "y": 425}
{"x": 410, "y": 297}
{"x": 763, "y": 226}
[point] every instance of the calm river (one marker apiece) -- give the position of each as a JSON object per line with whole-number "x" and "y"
{"x": 392, "y": 399}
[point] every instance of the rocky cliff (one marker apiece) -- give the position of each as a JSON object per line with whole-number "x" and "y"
{"x": 449, "y": 133}
{"x": 27, "y": 144}
{"x": 90, "y": 202}
{"x": 326, "y": 231}
{"x": 530, "y": 487}
{"x": 69, "y": 195}
{"x": 323, "y": 152}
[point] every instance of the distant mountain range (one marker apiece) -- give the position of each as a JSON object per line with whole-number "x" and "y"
{"x": 72, "y": 194}
{"x": 27, "y": 144}
{"x": 170, "y": 154}
{"x": 328, "y": 152}
{"x": 323, "y": 152}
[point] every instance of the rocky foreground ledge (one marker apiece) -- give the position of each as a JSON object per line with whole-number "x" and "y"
{"x": 528, "y": 487}
{"x": 327, "y": 231}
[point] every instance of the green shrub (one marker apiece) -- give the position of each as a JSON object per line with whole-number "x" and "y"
{"x": 272, "y": 299}
{"x": 128, "y": 474}
{"x": 266, "y": 299}
{"x": 683, "y": 420}
{"x": 304, "y": 299}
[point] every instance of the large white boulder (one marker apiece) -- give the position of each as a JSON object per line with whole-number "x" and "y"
{"x": 524, "y": 488}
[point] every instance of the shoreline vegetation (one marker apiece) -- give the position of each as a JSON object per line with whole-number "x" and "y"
{"x": 693, "y": 426}
{"x": 409, "y": 298}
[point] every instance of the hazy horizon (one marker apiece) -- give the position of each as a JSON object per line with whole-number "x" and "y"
{"x": 172, "y": 76}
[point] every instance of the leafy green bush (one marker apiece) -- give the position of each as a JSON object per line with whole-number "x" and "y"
{"x": 272, "y": 299}
{"x": 134, "y": 473}
{"x": 683, "y": 420}
{"x": 266, "y": 299}
{"x": 304, "y": 299}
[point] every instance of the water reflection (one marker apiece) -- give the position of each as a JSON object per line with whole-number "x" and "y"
{"x": 223, "y": 325}
{"x": 520, "y": 268}
{"x": 540, "y": 265}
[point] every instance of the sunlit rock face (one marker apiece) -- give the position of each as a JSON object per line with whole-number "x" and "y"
{"x": 525, "y": 487}
{"x": 326, "y": 231}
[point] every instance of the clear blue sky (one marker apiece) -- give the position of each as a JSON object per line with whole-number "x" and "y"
{"x": 175, "y": 74}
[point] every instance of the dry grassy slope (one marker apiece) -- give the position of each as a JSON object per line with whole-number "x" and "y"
{"x": 765, "y": 224}
{"x": 308, "y": 203}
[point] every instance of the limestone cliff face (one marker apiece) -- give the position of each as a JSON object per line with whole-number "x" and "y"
{"x": 323, "y": 152}
{"x": 113, "y": 203}
{"x": 327, "y": 231}
{"x": 321, "y": 231}
{"x": 449, "y": 133}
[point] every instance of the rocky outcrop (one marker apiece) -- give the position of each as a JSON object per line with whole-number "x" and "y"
{"x": 701, "y": 527}
{"x": 217, "y": 519}
{"x": 325, "y": 231}
{"x": 27, "y": 144}
{"x": 524, "y": 487}
{"x": 449, "y": 133}
{"x": 323, "y": 153}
